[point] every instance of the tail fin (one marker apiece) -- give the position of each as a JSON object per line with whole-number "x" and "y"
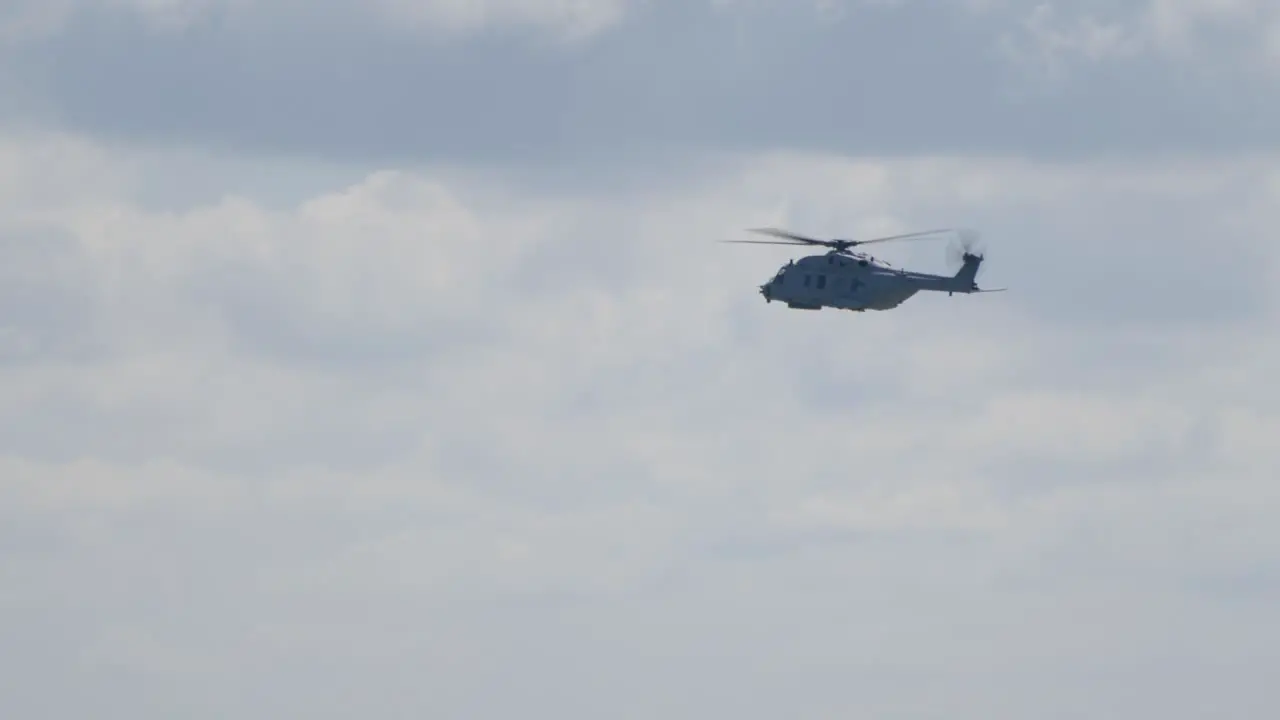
{"x": 966, "y": 276}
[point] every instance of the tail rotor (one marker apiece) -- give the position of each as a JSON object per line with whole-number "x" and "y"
{"x": 966, "y": 247}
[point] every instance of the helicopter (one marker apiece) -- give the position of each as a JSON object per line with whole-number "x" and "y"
{"x": 847, "y": 280}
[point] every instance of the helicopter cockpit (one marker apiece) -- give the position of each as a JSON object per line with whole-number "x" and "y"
{"x": 782, "y": 271}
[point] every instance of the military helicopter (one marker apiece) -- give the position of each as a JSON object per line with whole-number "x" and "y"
{"x": 856, "y": 281}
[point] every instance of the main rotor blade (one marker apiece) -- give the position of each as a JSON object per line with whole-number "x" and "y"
{"x": 790, "y": 236}
{"x": 762, "y": 242}
{"x": 922, "y": 235}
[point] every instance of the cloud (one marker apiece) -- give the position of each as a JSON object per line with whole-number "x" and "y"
{"x": 434, "y": 430}
{"x": 24, "y": 21}
{"x": 1204, "y": 33}
{"x": 653, "y": 83}
{"x": 573, "y": 19}
{"x": 365, "y": 358}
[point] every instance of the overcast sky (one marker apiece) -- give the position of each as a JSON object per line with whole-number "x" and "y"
{"x": 376, "y": 360}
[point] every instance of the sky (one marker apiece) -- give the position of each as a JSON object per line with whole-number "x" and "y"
{"x": 378, "y": 360}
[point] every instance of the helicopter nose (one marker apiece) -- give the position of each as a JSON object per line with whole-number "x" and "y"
{"x": 766, "y": 292}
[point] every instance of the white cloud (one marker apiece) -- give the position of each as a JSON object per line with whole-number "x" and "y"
{"x": 26, "y": 20}
{"x": 479, "y": 431}
{"x": 1173, "y": 23}
{"x": 571, "y": 18}
{"x": 1054, "y": 34}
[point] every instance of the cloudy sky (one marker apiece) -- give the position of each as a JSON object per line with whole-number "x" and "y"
{"x": 375, "y": 359}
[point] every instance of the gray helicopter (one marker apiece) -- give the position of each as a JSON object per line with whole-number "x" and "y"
{"x": 856, "y": 281}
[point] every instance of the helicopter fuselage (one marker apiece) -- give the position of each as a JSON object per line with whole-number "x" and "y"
{"x": 859, "y": 282}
